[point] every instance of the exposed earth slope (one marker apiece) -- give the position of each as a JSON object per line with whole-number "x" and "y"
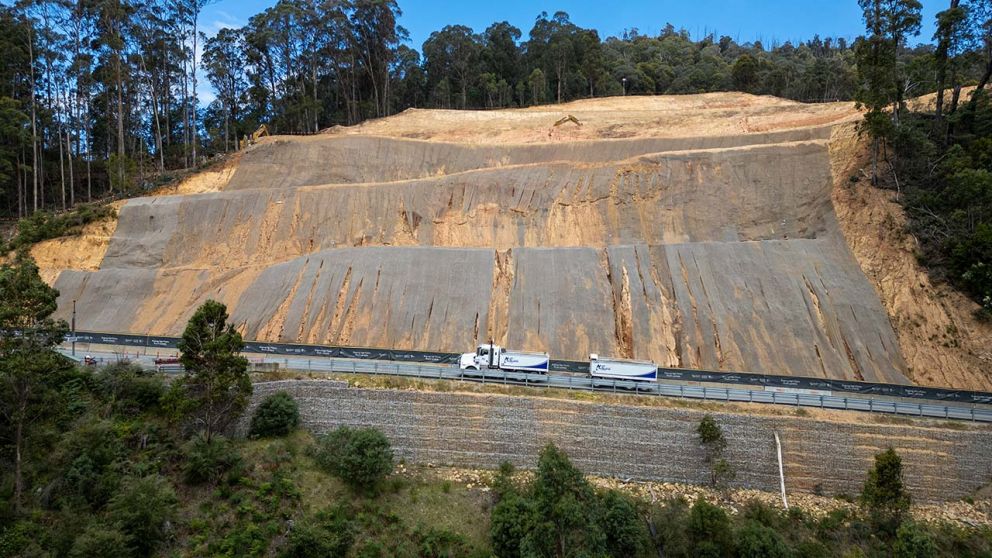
{"x": 694, "y": 231}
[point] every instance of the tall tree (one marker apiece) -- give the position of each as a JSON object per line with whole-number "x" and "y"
{"x": 216, "y": 387}
{"x": 452, "y": 52}
{"x": 27, "y": 336}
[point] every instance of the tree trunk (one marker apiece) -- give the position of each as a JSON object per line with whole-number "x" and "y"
{"x": 985, "y": 78}
{"x": 34, "y": 128}
{"x": 72, "y": 182}
{"x": 941, "y": 55}
{"x": 196, "y": 17}
{"x": 18, "y": 471}
{"x": 61, "y": 168}
{"x": 874, "y": 162}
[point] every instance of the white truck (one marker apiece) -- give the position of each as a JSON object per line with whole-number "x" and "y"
{"x": 489, "y": 355}
{"x": 620, "y": 369}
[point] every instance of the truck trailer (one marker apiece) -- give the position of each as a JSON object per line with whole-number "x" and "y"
{"x": 620, "y": 369}
{"x": 493, "y": 356}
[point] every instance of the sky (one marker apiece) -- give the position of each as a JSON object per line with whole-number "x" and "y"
{"x": 745, "y": 20}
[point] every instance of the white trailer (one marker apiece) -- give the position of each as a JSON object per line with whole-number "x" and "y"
{"x": 619, "y": 369}
{"x": 493, "y": 356}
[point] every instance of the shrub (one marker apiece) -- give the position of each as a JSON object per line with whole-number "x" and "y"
{"x": 439, "y": 543}
{"x": 884, "y": 495}
{"x": 361, "y": 457}
{"x": 277, "y": 415}
{"x": 208, "y": 459}
{"x": 93, "y": 456}
{"x": 566, "y": 505}
{"x": 913, "y": 541}
{"x": 329, "y": 534}
{"x": 624, "y": 529}
{"x": 670, "y": 528}
{"x": 713, "y": 441}
{"x": 509, "y": 523}
{"x": 100, "y": 540}
{"x": 130, "y": 388}
{"x": 144, "y": 507}
{"x": 709, "y": 530}
{"x": 758, "y": 541}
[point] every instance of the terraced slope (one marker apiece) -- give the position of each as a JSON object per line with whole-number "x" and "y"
{"x": 714, "y": 250}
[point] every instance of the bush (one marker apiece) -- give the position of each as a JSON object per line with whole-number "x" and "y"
{"x": 277, "y": 415}
{"x": 566, "y": 508}
{"x": 93, "y": 454}
{"x": 913, "y": 541}
{"x": 100, "y": 540}
{"x": 131, "y": 389}
{"x": 144, "y": 508}
{"x": 709, "y": 530}
{"x": 509, "y": 523}
{"x": 670, "y": 528}
{"x": 713, "y": 441}
{"x": 43, "y": 225}
{"x": 884, "y": 495}
{"x": 208, "y": 460}
{"x": 625, "y": 532}
{"x": 758, "y": 541}
{"x": 329, "y": 534}
{"x": 440, "y": 543}
{"x": 361, "y": 457}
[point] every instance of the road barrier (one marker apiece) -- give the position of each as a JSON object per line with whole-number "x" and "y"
{"x": 813, "y": 387}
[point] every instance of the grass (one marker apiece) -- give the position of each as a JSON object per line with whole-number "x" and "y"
{"x": 281, "y": 483}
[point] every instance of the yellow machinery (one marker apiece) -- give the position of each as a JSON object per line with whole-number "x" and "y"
{"x": 261, "y": 132}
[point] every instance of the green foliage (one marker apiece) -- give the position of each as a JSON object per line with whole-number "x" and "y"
{"x": 27, "y": 359}
{"x": 560, "y": 514}
{"x": 710, "y": 433}
{"x": 277, "y": 415}
{"x": 755, "y": 540}
{"x": 144, "y": 508}
{"x": 329, "y": 534}
{"x": 709, "y": 530}
{"x": 714, "y": 443}
{"x": 670, "y": 528}
{"x": 624, "y": 528}
{"x": 43, "y": 225}
{"x": 94, "y": 455}
{"x": 120, "y": 172}
{"x": 131, "y": 389}
{"x": 511, "y": 520}
{"x": 216, "y": 386}
{"x": 100, "y": 540}
{"x": 912, "y": 541}
{"x": 566, "y": 509}
{"x": 440, "y": 543}
{"x": 361, "y": 457}
{"x": 208, "y": 459}
{"x": 883, "y": 490}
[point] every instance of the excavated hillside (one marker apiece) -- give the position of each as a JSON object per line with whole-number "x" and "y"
{"x": 695, "y": 231}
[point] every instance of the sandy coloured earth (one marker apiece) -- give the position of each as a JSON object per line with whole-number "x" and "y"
{"x": 718, "y": 231}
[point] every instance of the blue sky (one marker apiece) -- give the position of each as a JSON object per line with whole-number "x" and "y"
{"x": 746, "y": 20}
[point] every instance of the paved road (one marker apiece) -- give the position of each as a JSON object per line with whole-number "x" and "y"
{"x": 586, "y": 383}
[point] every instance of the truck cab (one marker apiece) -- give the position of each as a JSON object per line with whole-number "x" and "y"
{"x": 486, "y": 355}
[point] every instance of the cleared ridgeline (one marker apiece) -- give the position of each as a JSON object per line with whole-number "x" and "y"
{"x": 713, "y": 252}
